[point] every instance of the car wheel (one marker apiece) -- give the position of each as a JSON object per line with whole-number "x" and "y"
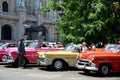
{"x": 4, "y": 58}
{"x": 58, "y": 64}
{"x": 24, "y": 62}
{"x": 86, "y": 71}
{"x": 104, "y": 69}
{"x": 16, "y": 63}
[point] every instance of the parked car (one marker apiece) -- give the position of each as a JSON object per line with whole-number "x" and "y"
{"x": 11, "y": 55}
{"x": 4, "y": 47}
{"x": 59, "y": 59}
{"x": 101, "y": 61}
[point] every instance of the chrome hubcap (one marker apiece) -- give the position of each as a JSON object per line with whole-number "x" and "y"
{"x": 58, "y": 64}
{"x": 105, "y": 69}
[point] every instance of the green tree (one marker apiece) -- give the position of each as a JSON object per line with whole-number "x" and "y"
{"x": 88, "y": 20}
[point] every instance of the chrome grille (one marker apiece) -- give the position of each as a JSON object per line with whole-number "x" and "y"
{"x": 42, "y": 59}
{"x": 84, "y": 62}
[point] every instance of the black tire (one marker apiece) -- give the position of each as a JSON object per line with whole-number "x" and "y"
{"x": 104, "y": 69}
{"x": 86, "y": 71}
{"x": 25, "y": 62}
{"x": 58, "y": 65}
{"x": 16, "y": 63}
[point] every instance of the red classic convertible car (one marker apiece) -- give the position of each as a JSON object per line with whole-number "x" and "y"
{"x": 30, "y": 55}
{"x": 102, "y": 61}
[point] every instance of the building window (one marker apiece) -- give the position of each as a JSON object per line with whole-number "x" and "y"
{"x": 5, "y": 6}
{"x": 6, "y": 32}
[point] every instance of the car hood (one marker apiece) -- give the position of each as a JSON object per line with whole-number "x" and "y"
{"x": 86, "y": 55}
{"x": 2, "y": 49}
{"x": 15, "y": 49}
{"x": 56, "y": 53}
{"x": 48, "y": 49}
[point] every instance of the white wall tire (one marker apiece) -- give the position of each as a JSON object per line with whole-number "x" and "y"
{"x": 16, "y": 63}
{"x": 4, "y": 58}
{"x": 58, "y": 64}
{"x": 104, "y": 69}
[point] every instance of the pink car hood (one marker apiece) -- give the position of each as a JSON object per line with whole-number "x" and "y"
{"x": 15, "y": 49}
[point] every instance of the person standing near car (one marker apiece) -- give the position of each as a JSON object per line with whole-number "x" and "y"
{"x": 118, "y": 41}
{"x": 21, "y": 53}
{"x": 84, "y": 47}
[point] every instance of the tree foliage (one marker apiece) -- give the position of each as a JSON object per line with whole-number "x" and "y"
{"x": 88, "y": 20}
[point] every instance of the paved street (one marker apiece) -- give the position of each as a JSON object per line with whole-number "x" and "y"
{"x": 34, "y": 72}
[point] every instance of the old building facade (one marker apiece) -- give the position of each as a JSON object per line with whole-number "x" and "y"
{"x": 24, "y": 18}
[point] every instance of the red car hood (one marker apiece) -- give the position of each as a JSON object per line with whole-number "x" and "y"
{"x": 87, "y": 54}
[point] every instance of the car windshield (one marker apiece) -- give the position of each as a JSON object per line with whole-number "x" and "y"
{"x": 71, "y": 48}
{"x": 33, "y": 45}
{"x": 3, "y": 46}
{"x": 7, "y": 45}
{"x": 112, "y": 47}
{"x": 27, "y": 42}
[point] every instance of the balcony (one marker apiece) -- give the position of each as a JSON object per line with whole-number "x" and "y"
{"x": 9, "y": 15}
{"x": 51, "y": 17}
{"x": 32, "y": 18}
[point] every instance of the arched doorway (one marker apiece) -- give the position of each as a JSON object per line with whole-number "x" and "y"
{"x": 5, "y": 6}
{"x": 6, "y": 32}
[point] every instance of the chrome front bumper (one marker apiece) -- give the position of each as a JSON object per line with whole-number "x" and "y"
{"x": 86, "y": 65}
{"x": 44, "y": 62}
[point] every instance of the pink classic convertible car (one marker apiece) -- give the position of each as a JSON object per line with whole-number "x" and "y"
{"x": 30, "y": 55}
{"x": 5, "y": 46}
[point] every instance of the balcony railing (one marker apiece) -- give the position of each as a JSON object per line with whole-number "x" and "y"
{"x": 31, "y": 18}
{"x": 51, "y": 16}
{"x": 46, "y": 18}
{"x": 9, "y": 15}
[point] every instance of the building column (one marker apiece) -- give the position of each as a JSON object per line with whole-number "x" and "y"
{"x": 52, "y": 30}
{"x": 22, "y": 18}
{"x": 0, "y": 31}
{"x": 12, "y": 6}
{"x": 40, "y": 17}
{"x": 50, "y": 33}
{"x": 0, "y": 8}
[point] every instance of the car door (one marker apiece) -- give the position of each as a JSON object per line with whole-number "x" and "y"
{"x": 115, "y": 62}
